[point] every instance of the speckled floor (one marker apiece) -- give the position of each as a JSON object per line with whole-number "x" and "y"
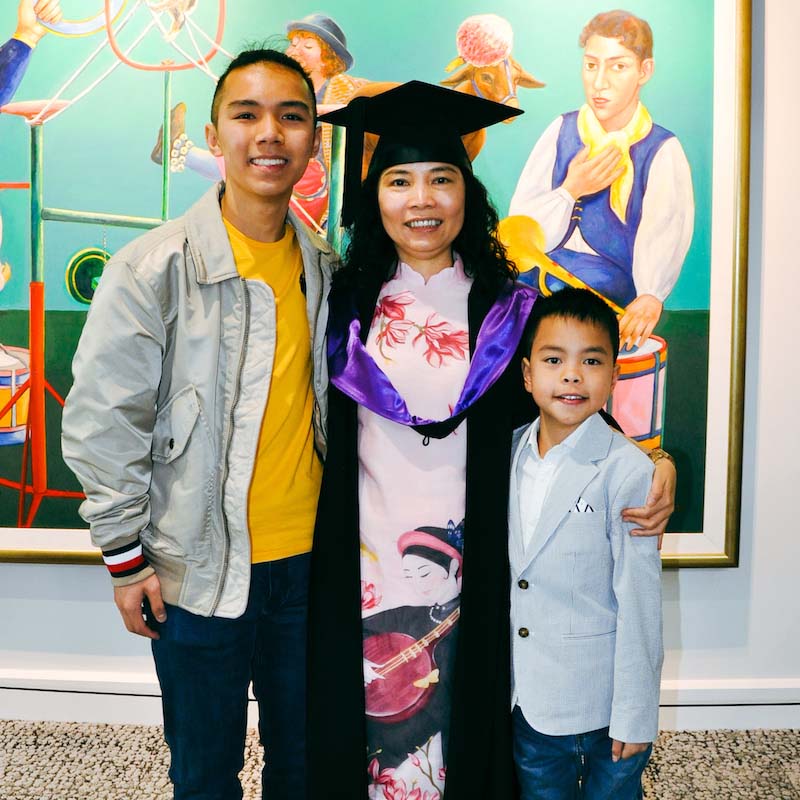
{"x": 725, "y": 765}
{"x": 51, "y": 761}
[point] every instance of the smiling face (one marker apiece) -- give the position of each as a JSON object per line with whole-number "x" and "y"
{"x": 265, "y": 132}
{"x": 612, "y": 78}
{"x": 422, "y": 211}
{"x": 570, "y": 374}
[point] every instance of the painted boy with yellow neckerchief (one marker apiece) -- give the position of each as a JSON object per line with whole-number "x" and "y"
{"x": 612, "y": 190}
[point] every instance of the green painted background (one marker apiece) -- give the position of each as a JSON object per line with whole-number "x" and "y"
{"x": 97, "y": 153}
{"x": 97, "y": 158}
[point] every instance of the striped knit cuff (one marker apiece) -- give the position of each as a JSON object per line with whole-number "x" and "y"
{"x": 126, "y": 560}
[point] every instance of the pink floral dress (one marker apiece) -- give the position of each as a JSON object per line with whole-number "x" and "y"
{"x": 411, "y": 502}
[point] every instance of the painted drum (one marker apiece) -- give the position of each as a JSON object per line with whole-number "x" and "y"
{"x": 637, "y": 402}
{"x": 14, "y": 371}
{"x": 87, "y": 26}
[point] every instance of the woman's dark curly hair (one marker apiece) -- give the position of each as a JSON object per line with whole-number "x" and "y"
{"x": 371, "y": 257}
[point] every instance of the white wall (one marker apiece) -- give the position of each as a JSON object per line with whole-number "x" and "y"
{"x": 732, "y": 636}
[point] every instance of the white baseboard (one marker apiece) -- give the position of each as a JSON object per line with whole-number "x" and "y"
{"x": 730, "y": 691}
{"x": 737, "y": 718}
{"x": 111, "y": 697}
{"x": 39, "y": 705}
{"x": 730, "y": 703}
{"x": 117, "y": 697}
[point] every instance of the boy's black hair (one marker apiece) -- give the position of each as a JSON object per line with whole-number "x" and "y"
{"x": 261, "y": 55}
{"x": 571, "y": 303}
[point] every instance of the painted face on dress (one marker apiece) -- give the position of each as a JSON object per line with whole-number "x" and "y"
{"x": 265, "y": 132}
{"x": 422, "y": 210}
{"x": 613, "y": 76}
{"x": 434, "y": 584}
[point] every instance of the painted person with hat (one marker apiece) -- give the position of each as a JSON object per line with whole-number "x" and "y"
{"x": 425, "y": 319}
{"x": 320, "y": 46}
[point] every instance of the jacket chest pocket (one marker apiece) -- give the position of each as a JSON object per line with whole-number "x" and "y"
{"x": 584, "y": 533}
{"x": 174, "y": 425}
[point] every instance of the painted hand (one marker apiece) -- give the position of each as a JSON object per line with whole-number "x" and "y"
{"x": 29, "y": 12}
{"x": 591, "y": 175}
{"x": 639, "y": 319}
{"x": 370, "y": 673}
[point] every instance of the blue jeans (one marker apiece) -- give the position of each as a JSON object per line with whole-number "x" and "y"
{"x": 575, "y": 767}
{"x": 205, "y": 665}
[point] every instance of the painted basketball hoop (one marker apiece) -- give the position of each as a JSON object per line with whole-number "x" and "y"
{"x": 191, "y": 63}
{"x": 112, "y": 19}
{"x": 87, "y": 26}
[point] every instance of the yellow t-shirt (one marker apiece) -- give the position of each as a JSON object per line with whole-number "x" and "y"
{"x": 284, "y": 489}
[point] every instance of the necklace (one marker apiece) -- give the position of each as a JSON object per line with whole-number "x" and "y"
{"x": 443, "y": 609}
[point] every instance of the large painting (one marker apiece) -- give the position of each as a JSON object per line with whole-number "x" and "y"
{"x": 102, "y": 113}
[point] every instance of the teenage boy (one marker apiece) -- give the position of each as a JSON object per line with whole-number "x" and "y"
{"x": 611, "y": 189}
{"x": 586, "y": 596}
{"x": 196, "y": 424}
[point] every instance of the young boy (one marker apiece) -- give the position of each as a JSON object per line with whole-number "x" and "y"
{"x": 585, "y": 596}
{"x": 195, "y": 425}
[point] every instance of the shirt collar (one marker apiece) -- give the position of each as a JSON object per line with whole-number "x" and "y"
{"x": 447, "y": 276}
{"x": 570, "y": 443}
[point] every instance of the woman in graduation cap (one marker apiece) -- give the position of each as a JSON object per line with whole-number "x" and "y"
{"x": 425, "y": 323}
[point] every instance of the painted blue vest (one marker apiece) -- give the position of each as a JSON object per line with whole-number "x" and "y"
{"x": 611, "y": 271}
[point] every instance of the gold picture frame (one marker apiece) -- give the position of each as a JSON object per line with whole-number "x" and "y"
{"x": 716, "y": 544}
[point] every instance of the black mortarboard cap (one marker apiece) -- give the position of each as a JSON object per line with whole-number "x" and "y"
{"x": 415, "y": 121}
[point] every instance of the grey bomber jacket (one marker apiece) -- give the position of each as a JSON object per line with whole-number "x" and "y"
{"x": 171, "y": 378}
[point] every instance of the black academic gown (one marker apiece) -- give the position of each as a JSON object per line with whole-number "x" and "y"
{"x": 479, "y": 756}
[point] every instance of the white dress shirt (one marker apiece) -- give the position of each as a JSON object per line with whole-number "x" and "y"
{"x": 535, "y": 476}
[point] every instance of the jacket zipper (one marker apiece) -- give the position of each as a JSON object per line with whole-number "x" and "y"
{"x": 315, "y": 371}
{"x": 231, "y": 420}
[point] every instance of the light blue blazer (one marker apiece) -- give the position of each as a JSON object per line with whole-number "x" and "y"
{"x": 586, "y": 596}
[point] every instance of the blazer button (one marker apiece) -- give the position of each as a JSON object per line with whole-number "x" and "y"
{"x": 524, "y": 633}
{"x": 522, "y": 583}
